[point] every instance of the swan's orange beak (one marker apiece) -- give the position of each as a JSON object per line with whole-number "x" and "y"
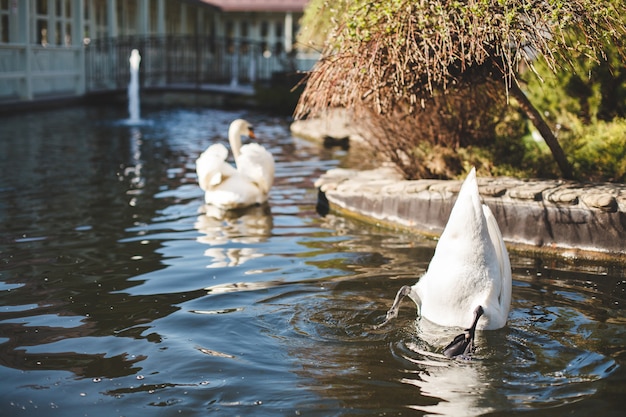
{"x": 251, "y": 133}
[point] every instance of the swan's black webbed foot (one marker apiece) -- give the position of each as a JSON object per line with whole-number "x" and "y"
{"x": 463, "y": 344}
{"x": 393, "y": 311}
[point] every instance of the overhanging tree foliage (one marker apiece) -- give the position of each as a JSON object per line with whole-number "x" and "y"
{"x": 396, "y": 55}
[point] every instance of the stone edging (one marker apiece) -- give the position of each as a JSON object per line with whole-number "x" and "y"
{"x": 571, "y": 218}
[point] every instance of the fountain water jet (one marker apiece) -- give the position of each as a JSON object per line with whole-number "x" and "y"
{"x": 133, "y": 87}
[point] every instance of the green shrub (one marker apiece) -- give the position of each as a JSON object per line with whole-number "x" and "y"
{"x": 597, "y": 151}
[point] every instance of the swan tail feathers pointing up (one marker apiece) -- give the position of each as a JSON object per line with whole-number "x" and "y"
{"x": 470, "y": 266}
{"x": 503, "y": 259}
{"x": 466, "y": 216}
{"x": 468, "y": 281}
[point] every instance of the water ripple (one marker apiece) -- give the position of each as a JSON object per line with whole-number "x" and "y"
{"x": 120, "y": 291}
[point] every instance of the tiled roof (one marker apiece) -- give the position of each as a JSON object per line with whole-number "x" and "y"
{"x": 258, "y": 5}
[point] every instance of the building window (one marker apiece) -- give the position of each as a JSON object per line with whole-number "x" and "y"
{"x": 230, "y": 29}
{"x": 191, "y": 23}
{"x": 41, "y": 22}
{"x": 278, "y": 30}
{"x": 53, "y": 25}
{"x": 230, "y": 34}
{"x": 88, "y": 24}
{"x": 127, "y": 18}
{"x": 4, "y": 21}
{"x": 243, "y": 35}
{"x": 63, "y": 35}
{"x": 42, "y": 7}
{"x": 208, "y": 24}
{"x": 153, "y": 19}
{"x": 95, "y": 20}
{"x": 172, "y": 11}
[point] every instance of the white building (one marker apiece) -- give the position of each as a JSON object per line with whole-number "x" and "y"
{"x": 44, "y": 44}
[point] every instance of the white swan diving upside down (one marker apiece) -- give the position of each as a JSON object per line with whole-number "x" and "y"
{"x": 246, "y": 184}
{"x": 468, "y": 281}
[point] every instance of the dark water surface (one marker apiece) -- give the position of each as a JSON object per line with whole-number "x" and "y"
{"x": 120, "y": 297}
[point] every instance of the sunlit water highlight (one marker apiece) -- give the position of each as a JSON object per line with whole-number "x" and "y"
{"x": 120, "y": 294}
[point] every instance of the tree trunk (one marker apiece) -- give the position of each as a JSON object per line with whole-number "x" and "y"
{"x": 533, "y": 114}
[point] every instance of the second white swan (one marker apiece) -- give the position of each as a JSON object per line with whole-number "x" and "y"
{"x": 468, "y": 282}
{"x": 246, "y": 184}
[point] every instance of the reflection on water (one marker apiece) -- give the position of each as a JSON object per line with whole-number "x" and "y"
{"x": 454, "y": 388}
{"x": 120, "y": 291}
{"x": 233, "y": 235}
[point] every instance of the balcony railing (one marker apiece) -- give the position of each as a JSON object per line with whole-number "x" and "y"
{"x": 169, "y": 61}
{"x": 30, "y": 72}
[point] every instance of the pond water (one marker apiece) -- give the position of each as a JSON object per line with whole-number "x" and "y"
{"x": 120, "y": 296}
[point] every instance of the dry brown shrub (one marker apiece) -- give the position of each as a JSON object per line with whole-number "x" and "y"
{"x": 424, "y": 144}
{"x": 392, "y": 59}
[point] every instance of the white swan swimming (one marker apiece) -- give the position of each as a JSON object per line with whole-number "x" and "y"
{"x": 468, "y": 282}
{"x": 227, "y": 187}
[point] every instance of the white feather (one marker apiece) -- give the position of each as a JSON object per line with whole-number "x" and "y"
{"x": 257, "y": 163}
{"x": 470, "y": 267}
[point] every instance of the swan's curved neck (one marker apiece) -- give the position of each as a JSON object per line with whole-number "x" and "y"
{"x": 234, "y": 138}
